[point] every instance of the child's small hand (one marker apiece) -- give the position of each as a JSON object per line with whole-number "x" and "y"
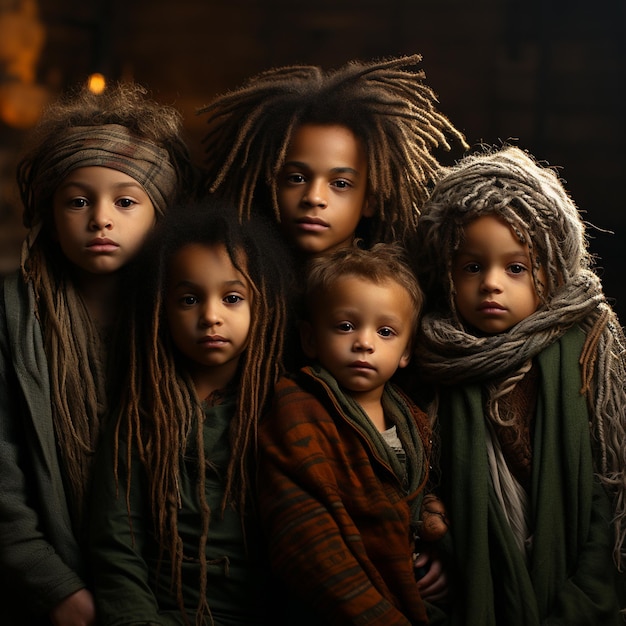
{"x": 434, "y": 521}
{"x": 77, "y": 609}
{"x": 433, "y": 585}
{"x": 429, "y": 570}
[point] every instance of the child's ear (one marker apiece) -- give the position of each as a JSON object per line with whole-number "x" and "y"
{"x": 406, "y": 357}
{"x": 307, "y": 339}
{"x": 369, "y": 207}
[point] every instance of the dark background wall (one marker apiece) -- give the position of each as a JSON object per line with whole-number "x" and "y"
{"x": 549, "y": 73}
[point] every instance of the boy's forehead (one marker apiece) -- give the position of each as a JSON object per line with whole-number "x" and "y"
{"x": 345, "y": 289}
{"x": 327, "y": 138}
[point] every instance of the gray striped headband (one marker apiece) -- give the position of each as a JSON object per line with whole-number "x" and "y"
{"x": 109, "y": 145}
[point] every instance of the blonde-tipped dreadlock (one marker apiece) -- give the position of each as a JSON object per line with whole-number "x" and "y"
{"x": 73, "y": 344}
{"x": 160, "y": 409}
{"x": 508, "y": 183}
{"x": 383, "y": 103}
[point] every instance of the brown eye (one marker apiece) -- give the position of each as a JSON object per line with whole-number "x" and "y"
{"x": 232, "y": 299}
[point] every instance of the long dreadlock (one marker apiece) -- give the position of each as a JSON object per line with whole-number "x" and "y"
{"x": 383, "y": 103}
{"x": 531, "y": 199}
{"x": 73, "y": 344}
{"x": 160, "y": 409}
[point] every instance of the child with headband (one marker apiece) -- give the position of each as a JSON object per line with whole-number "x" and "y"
{"x": 100, "y": 171}
{"x": 529, "y": 360}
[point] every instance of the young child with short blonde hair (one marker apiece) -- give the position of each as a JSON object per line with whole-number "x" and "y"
{"x": 344, "y": 454}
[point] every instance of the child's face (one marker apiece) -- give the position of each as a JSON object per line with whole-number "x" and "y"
{"x": 208, "y": 307}
{"x": 492, "y": 275}
{"x": 361, "y": 333}
{"x": 322, "y": 188}
{"x": 101, "y": 218}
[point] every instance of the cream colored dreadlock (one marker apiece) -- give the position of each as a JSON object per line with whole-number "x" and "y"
{"x": 532, "y": 200}
{"x": 383, "y": 103}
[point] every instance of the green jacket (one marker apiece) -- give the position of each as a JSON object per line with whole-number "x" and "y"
{"x": 132, "y": 580}
{"x": 570, "y": 579}
{"x": 40, "y": 560}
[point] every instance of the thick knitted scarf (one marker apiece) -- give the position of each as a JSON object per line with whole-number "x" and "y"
{"x": 567, "y": 577}
{"x": 451, "y": 355}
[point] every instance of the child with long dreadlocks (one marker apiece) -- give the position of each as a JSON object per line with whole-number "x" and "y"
{"x": 328, "y": 153}
{"x": 101, "y": 169}
{"x": 173, "y": 527}
{"x": 531, "y": 409}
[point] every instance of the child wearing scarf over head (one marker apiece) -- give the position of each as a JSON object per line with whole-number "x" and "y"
{"x": 100, "y": 171}
{"x": 528, "y": 358}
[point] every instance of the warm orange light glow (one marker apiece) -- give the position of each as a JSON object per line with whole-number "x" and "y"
{"x": 21, "y": 103}
{"x": 96, "y": 83}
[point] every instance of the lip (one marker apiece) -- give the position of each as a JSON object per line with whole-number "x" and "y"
{"x": 102, "y": 244}
{"x": 491, "y": 307}
{"x": 213, "y": 341}
{"x": 312, "y": 224}
{"x": 362, "y": 365}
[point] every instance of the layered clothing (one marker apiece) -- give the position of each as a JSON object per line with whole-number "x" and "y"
{"x": 338, "y": 507}
{"x": 564, "y": 573}
{"x": 536, "y": 490}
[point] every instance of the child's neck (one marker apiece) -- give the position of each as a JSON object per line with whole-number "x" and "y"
{"x": 371, "y": 403}
{"x": 208, "y": 380}
{"x": 100, "y": 295}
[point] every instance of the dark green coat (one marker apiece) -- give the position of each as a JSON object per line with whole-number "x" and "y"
{"x": 132, "y": 580}
{"x": 40, "y": 560}
{"x": 570, "y": 579}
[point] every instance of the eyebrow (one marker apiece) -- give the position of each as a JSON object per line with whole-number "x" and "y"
{"x": 391, "y": 319}
{"x": 466, "y": 251}
{"x": 227, "y": 283}
{"x": 334, "y": 170}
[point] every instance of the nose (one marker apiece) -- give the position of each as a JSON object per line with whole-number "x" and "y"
{"x": 315, "y": 195}
{"x": 363, "y": 342}
{"x": 210, "y": 315}
{"x": 491, "y": 282}
{"x": 101, "y": 217}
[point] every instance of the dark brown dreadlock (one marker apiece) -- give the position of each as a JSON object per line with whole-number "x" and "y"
{"x": 383, "y": 103}
{"x": 160, "y": 409}
{"x": 73, "y": 344}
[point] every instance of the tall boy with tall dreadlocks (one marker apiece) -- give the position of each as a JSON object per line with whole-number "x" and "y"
{"x": 100, "y": 171}
{"x": 529, "y": 358}
{"x": 172, "y": 531}
{"x": 325, "y": 152}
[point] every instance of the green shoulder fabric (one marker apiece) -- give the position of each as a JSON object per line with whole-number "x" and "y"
{"x": 570, "y": 579}
{"x": 396, "y": 411}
